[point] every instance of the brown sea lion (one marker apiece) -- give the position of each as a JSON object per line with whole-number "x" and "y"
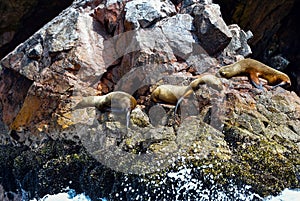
{"x": 174, "y": 94}
{"x": 255, "y": 70}
{"x": 168, "y": 93}
{"x": 209, "y": 79}
{"x": 116, "y": 101}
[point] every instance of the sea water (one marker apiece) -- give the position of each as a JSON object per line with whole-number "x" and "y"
{"x": 187, "y": 183}
{"x": 70, "y": 195}
{"x": 286, "y": 195}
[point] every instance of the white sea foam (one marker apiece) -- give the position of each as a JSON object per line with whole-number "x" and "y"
{"x": 286, "y": 195}
{"x": 66, "y": 196}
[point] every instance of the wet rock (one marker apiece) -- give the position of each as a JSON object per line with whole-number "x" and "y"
{"x": 211, "y": 30}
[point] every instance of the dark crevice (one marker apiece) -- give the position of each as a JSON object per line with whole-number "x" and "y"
{"x": 33, "y": 20}
{"x": 292, "y": 128}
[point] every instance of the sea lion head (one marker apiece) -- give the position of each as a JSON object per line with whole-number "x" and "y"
{"x": 213, "y": 82}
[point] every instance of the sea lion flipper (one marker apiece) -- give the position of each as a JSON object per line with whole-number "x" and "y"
{"x": 255, "y": 81}
{"x": 281, "y": 84}
{"x": 177, "y": 105}
{"x": 127, "y": 119}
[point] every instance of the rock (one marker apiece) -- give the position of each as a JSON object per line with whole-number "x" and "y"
{"x": 239, "y": 42}
{"x": 178, "y": 32}
{"x": 201, "y": 62}
{"x": 12, "y": 102}
{"x": 210, "y": 29}
{"x": 6, "y": 37}
{"x": 110, "y": 14}
{"x": 47, "y": 70}
{"x": 12, "y": 18}
{"x": 279, "y": 62}
{"x": 35, "y": 52}
{"x": 206, "y": 140}
{"x": 188, "y": 3}
{"x": 61, "y": 35}
{"x": 141, "y": 13}
{"x": 151, "y": 51}
{"x": 139, "y": 118}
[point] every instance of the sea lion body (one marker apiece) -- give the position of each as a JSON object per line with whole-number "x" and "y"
{"x": 116, "y": 101}
{"x": 174, "y": 94}
{"x": 255, "y": 70}
{"x": 209, "y": 79}
{"x": 168, "y": 93}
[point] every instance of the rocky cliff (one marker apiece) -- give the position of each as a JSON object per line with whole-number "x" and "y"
{"x": 237, "y": 138}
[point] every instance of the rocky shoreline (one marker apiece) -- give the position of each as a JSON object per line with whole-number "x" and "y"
{"x": 238, "y": 138}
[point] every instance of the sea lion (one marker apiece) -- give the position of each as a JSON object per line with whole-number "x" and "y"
{"x": 209, "y": 79}
{"x": 174, "y": 94}
{"x": 116, "y": 101}
{"x": 255, "y": 70}
{"x": 168, "y": 93}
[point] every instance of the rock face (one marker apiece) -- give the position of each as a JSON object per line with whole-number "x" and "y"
{"x": 95, "y": 47}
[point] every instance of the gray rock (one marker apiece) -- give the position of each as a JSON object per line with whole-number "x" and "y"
{"x": 139, "y": 118}
{"x": 201, "y": 62}
{"x": 238, "y": 44}
{"x": 187, "y": 3}
{"x": 177, "y": 29}
{"x": 142, "y": 13}
{"x": 211, "y": 30}
{"x": 61, "y": 34}
{"x": 35, "y": 52}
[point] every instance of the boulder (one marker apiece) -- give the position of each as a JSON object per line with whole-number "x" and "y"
{"x": 141, "y": 13}
{"x": 110, "y": 14}
{"x": 239, "y": 42}
{"x": 210, "y": 29}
